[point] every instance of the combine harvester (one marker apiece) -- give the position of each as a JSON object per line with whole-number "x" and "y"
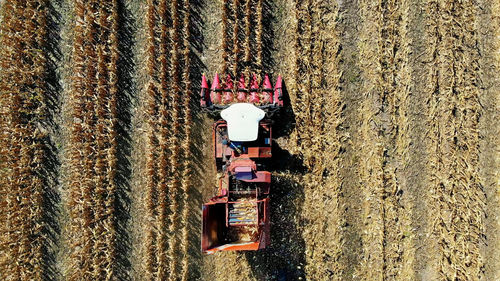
{"x": 238, "y": 217}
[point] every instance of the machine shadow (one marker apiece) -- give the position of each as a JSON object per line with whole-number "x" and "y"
{"x": 268, "y": 35}
{"x": 195, "y": 196}
{"x": 126, "y": 91}
{"x": 284, "y": 258}
{"x": 49, "y": 172}
{"x": 285, "y": 117}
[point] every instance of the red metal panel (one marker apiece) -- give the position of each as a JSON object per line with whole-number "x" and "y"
{"x": 218, "y": 150}
{"x": 265, "y": 152}
{"x": 228, "y": 247}
{"x": 253, "y": 152}
{"x": 266, "y": 229}
{"x": 217, "y": 145}
{"x": 261, "y": 176}
{"x": 204, "y": 232}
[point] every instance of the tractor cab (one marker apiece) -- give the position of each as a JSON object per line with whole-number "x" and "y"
{"x": 242, "y": 121}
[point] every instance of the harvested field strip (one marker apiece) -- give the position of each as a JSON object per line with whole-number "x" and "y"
{"x": 25, "y": 147}
{"x": 318, "y": 107}
{"x": 310, "y": 90}
{"x": 168, "y": 119}
{"x": 92, "y": 153}
{"x": 371, "y": 171}
{"x": 232, "y": 266}
{"x": 457, "y": 195}
{"x": 399, "y": 249}
{"x": 387, "y": 251}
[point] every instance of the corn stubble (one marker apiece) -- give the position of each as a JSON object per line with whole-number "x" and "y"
{"x": 93, "y": 147}
{"x": 453, "y": 141}
{"x": 384, "y": 52}
{"x": 24, "y": 142}
{"x": 371, "y": 170}
{"x": 495, "y": 12}
{"x": 315, "y": 95}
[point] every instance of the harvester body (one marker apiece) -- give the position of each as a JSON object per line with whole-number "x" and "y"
{"x": 237, "y": 218}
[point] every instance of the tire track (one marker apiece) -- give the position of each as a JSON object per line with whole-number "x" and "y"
{"x": 397, "y": 82}
{"x": 371, "y": 168}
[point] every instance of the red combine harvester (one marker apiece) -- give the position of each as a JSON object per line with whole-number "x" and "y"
{"x": 238, "y": 217}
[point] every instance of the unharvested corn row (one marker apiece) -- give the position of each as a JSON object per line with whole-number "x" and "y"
{"x": 93, "y": 142}
{"x": 168, "y": 116}
{"x": 25, "y": 146}
{"x": 239, "y": 15}
{"x": 186, "y": 145}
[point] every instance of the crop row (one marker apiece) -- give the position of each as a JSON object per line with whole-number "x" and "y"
{"x": 92, "y": 152}
{"x": 167, "y": 95}
{"x": 242, "y": 19}
{"x": 26, "y": 183}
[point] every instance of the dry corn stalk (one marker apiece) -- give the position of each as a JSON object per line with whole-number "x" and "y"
{"x": 169, "y": 116}
{"x": 93, "y": 148}
{"x": 25, "y": 145}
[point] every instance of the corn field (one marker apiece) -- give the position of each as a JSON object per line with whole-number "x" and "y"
{"x": 385, "y": 155}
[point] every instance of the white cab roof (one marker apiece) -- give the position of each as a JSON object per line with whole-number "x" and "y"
{"x": 242, "y": 121}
